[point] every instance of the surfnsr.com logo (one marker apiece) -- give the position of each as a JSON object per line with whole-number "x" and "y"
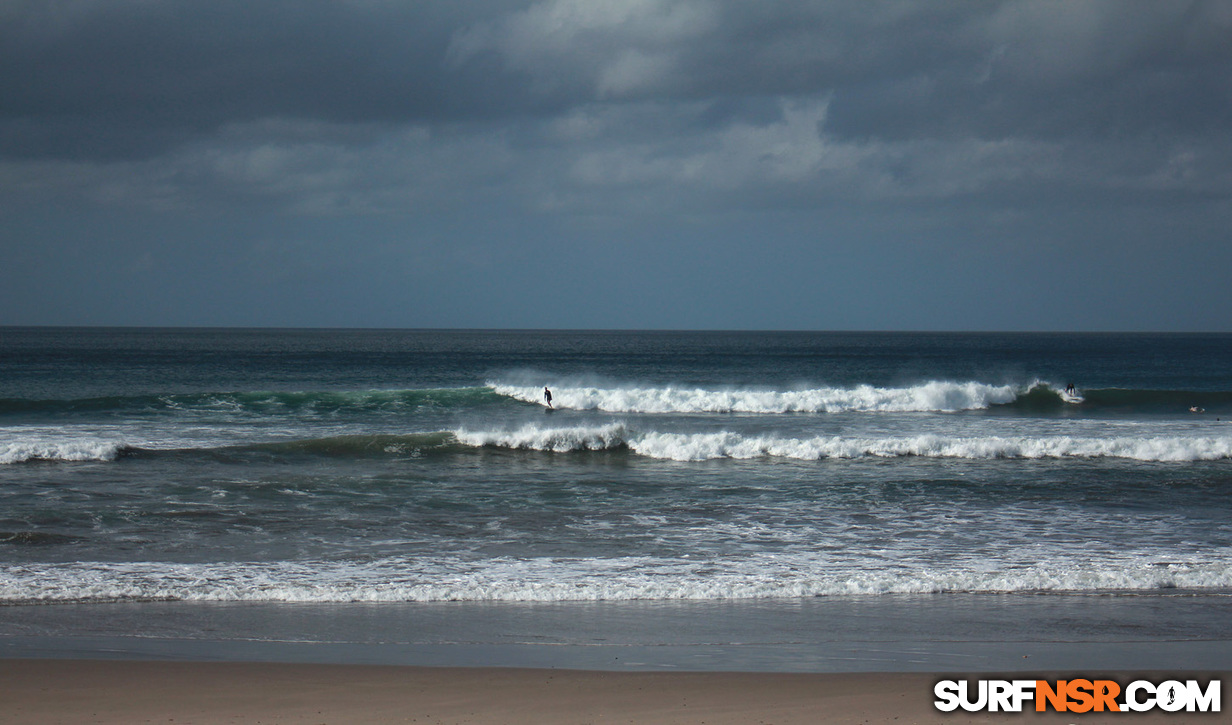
{"x": 1076, "y": 695}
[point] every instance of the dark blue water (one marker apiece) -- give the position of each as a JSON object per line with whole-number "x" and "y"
{"x": 411, "y": 466}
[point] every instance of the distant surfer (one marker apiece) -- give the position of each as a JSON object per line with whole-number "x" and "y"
{"x": 547, "y": 395}
{"x": 1071, "y": 390}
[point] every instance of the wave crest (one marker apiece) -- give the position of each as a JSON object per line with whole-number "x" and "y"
{"x": 935, "y": 396}
{"x": 559, "y": 440}
{"x": 726, "y": 444}
{"x": 69, "y": 450}
{"x": 707, "y": 446}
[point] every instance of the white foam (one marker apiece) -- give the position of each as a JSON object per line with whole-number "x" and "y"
{"x": 726, "y": 444}
{"x": 927, "y": 397}
{"x": 704, "y": 446}
{"x": 560, "y": 440}
{"x": 548, "y": 579}
{"x": 23, "y": 450}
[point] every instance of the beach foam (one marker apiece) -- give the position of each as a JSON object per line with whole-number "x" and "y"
{"x": 548, "y": 579}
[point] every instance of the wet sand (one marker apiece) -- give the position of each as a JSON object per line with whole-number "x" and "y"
{"x": 97, "y": 691}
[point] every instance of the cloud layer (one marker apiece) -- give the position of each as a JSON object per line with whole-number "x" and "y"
{"x": 899, "y": 118}
{"x": 372, "y": 105}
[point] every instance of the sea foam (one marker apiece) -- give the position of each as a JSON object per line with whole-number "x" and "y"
{"x": 559, "y": 579}
{"x": 726, "y": 444}
{"x": 67, "y": 450}
{"x": 730, "y": 445}
{"x": 927, "y": 397}
{"x": 560, "y": 440}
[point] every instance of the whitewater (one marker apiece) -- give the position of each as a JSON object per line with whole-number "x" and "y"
{"x": 932, "y": 396}
{"x": 546, "y": 579}
{"x": 660, "y": 422}
{"x": 707, "y": 446}
{"x": 424, "y": 466}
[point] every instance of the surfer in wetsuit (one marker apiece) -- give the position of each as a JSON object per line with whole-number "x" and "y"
{"x": 1069, "y": 389}
{"x": 547, "y": 395}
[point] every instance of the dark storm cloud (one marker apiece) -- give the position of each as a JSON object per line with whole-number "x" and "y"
{"x": 676, "y": 106}
{"x": 1024, "y": 164}
{"x": 131, "y": 78}
{"x": 887, "y": 99}
{"x": 895, "y": 69}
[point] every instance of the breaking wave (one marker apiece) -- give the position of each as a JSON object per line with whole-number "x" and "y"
{"x": 1036, "y": 397}
{"x": 709, "y": 446}
{"x": 557, "y": 579}
{"x": 927, "y": 397}
{"x": 70, "y": 450}
{"x": 633, "y": 398}
{"x": 659, "y": 445}
{"x": 728, "y": 445}
{"x": 558, "y": 440}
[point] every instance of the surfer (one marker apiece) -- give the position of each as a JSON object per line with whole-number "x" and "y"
{"x": 1070, "y": 389}
{"x": 547, "y": 395}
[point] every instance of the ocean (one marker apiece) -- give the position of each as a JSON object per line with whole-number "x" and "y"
{"x": 412, "y": 488}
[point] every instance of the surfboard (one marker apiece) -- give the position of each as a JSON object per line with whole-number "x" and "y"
{"x": 1074, "y": 397}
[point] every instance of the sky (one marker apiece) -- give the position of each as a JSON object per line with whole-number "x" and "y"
{"x": 617, "y": 164}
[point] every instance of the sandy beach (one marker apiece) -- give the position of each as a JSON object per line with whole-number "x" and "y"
{"x": 93, "y": 691}
{"x": 828, "y": 661}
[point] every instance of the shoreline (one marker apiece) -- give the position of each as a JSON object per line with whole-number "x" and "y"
{"x": 852, "y": 657}
{"x": 111, "y": 692}
{"x": 843, "y": 661}
{"x": 908, "y": 633}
